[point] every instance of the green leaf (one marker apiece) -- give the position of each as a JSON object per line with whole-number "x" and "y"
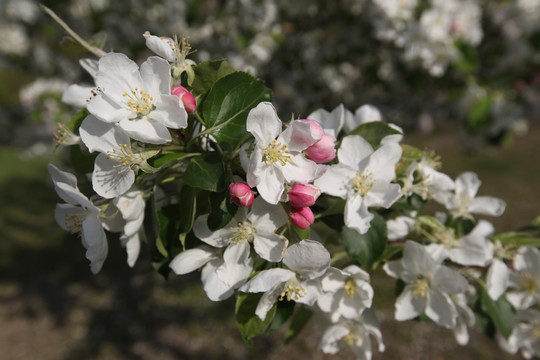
{"x": 164, "y": 159}
{"x": 248, "y": 323}
{"x": 500, "y": 311}
{"x": 480, "y": 113}
{"x": 222, "y": 210}
{"x": 517, "y": 238}
{"x": 208, "y": 72}
{"x": 284, "y": 311}
{"x": 228, "y": 103}
{"x": 74, "y": 124}
{"x": 206, "y": 172}
{"x": 301, "y": 234}
{"x": 374, "y": 132}
{"x": 188, "y": 207}
{"x": 300, "y": 318}
{"x": 366, "y": 248}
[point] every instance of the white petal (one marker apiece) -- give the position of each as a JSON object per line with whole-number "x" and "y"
{"x": 449, "y": 281}
{"x": 298, "y": 136}
{"x": 383, "y": 194}
{"x": 394, "y": 268}
{"x": 407, "y": 306}
{"x": 161, "y": 46}
{"x": 267, "y": 279}
{"x": 110, "y": 178}
{"x": 156, "y": 76}
{"x": 215, "y": 289}
{"x": 270, "y": 246}
{"x": 68, "y": 216}
{"x": 353, "y": 150}
{"x": 383, "y": 161}
{"x": 268, "y": 300}
{"x": 312, "y": 292}
{"x": 270, "y": 184}
{"x": 366, "y": 114}
{"x": 131, "y": 204}
{"x": 266, "y": 217}
{"x": 133, "y": 247}
{"x": 333, "y": 280}
{"x": 308, "y": 258}
{"x": 497, "y": 279}
{"x": 117, "y": 74}
{"x": 218, "y": 238}
{"x": 95, "y": 241}
{"x": 357, "y": 215}
{"x": 65, "y": 185}
{"x": 332, "y": 337}
{"x": 441, "y": 309}
{"x": 336, "y": 180}
{"x": 191, "y": 260}
{"x": 170, "y": 112}
{"x": 263, "y": 122}
{"x": 76, "y": 95}
{"x": 300, "y": 170}
{"x": 467, "y": 184}
{"x": 487, "y": 205}
{"x": 417, "y": 260}
{"x": 146, "y": 130}
{"x": 105, "y": 108}
{"x": 101, "y": 136}
{"x": 90, "y": 65}
{"x": 236, "y": 266}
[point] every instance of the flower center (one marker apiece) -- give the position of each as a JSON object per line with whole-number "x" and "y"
{"x": 292, "y": 291}
{"x": 421, "y": 288}
{"x": 74, "y": 222}
{"x": 363, "y": 182}
{"x": 352, "y": 339}
{"x": 140, "y": 102}
{"x": 350, "y": 287}
{"x": 243, "y": 232}
{"x": 447, "y": 238}
{"x": 64, "y": 136}
{"x": 528, "y": 283}
{"x": 125, "y": 156}
{"x": 276, "y": 152}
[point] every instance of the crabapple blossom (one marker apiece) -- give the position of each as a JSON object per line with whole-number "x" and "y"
{"x": 241, "y": 194}
{"x": 302, "y": 217}
{"x": 190, "y": 104}
{"x": 303, "y": 195}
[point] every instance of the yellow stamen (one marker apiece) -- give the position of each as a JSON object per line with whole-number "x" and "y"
{"x": 528, "y": 283}
{"x": 292, "y": 291}
{"x": 350, "y": 287}
{"x": 363, "y": 182}
{"x": 125, "y": 157}
{"x": 421, "y": 288}
{"x": 243, "y": 232}
{"x": 140, "y": 102}
{"x": 276, "y": 152}
{"x": 352, "y": 339}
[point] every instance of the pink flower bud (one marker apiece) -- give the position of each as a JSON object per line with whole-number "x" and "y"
{"x": 241, "y": 194}
{"x": 323, "y": 150}
{"x": 190, "y": 104}
{"x": 316, "y": 128}
{"x": 302, "y": 217}
{"x": 302, "y": 195}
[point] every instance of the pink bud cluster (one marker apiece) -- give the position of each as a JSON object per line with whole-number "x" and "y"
{"x": 301, "y": 197}
{"x": 190, "y": 104}
{"x": 324, "y": 149}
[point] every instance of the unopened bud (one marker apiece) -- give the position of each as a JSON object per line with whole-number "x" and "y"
{"x": 302, "y": 217}
{"x": 190, "y": 104}
{"x": 316, "y": 128}
{"x": 303, "y": 195}
{"x": 323, "y": 150}
{"x": 241, "y": 194}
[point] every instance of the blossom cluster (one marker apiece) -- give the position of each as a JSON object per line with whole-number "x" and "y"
{"x": 192, "y": 162}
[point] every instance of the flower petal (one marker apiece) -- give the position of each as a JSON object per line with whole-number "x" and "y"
{"x": 170, "y": 112}
{"x": 264, "y": 123}
{"x": 441, "y": 309}
{"x": 191, "y": 260}
{"x": 353, "y": 150}
{"x": 266, "y": 280}
{"x": 146, "y": 130}
{"x": 101, "y": 136}
{"x": 407, "y": 306}
{"x": 270, "y": 246}
{"x": 308, "y": 258}
{"x": 94, "y": 239}
{"x": 110, "y": 178}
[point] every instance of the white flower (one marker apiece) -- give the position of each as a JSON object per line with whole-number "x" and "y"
{"x": 333, "y": 122}
{"x": 399, "y": 227}
{"x": 525, "y": 280}
{"x": 257, "y": 226}
{"x": 525, "y": 335}
{"x": 362, "y": 177}
{"x": 464, "y": 202}
{"x": 473, "y": 249}
{"x": 499, "y": 273}
{"x": 79, "y": 215}
{"x": 355, "y": 334}
{"x": 209, "y": 260}
{"x": 347, "y": 292}
{"x": 173, "y": 51}
{"x": 139, "y": 102}
{"x": 275, "y": 162}
{"x": 428, "y": 285}
{"x": 116, "y": 165}
{"x": 307, "y": 260}
{"x": 465, "y": 316}
{"x": 131, "y": 206}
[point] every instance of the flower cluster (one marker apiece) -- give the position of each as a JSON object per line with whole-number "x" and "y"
{"x": 193, "y": 160}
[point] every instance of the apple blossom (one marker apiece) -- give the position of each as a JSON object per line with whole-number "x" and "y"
{"x": 303, "y": 195}
{"x": 302, "y": 217}
{"x": 241, "y": 194}
{"x": 190, "y": 104}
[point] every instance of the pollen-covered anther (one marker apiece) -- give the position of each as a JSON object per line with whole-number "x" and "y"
{"x": 363, "y": 182}
{"x": 292, "y": 292}
{"x": 73, "y": 222}
{"x": 243, "y": 232}
{"x": 528, "y": 283}
{"x": 350, "y": 287}
{"x": 124, "y": 156}
{"x": 276, "y": 152}
{"x": 139, "y": 101}
{"x": 421, "y": 288}
{"x": 352, "y": 339}
{"x": 60, "y": 134}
